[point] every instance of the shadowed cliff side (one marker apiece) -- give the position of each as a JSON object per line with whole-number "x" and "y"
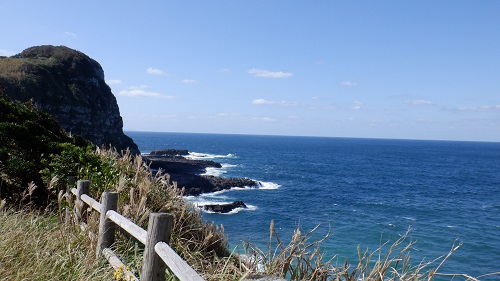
{"x": 70, "y": 86}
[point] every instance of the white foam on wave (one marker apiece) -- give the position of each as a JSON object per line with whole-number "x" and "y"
{"x": 260, "y": 185}
{"x": 268, "y": 185}
{"x": 212, "y": 171}
{"x": 202, "y": 156}
{"x": 217, "y": 172}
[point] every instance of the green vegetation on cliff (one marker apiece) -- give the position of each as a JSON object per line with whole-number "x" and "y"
{"x": 28, "y": 139}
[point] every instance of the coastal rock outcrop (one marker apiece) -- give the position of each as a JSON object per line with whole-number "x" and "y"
{"x": 169, "y": 152}
{"x": 188, "y": 173}
{"x": 179, "y": 164}
{"x": 224, "y": 208}
{"x": 70, "y": 86}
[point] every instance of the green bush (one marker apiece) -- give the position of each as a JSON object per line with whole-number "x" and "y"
{"x": 34, "y": 149}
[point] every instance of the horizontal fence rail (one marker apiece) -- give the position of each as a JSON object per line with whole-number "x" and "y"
{"x": 157, "y": 253}
{"x": 131, "y": 228}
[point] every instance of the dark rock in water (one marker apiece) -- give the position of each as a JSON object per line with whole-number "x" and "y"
{"x": 186, "y": 172}
{"x": 198, "y": 184}
{"x": 180, "y": 164}
{"x": 70, "y": 86}
{"x": 224, "y": 208}
{"x": 170, "y": 152}
{"x": 226, "y": 183}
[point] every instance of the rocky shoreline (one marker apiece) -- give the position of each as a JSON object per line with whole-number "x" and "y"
{"x": 187, "y": 172}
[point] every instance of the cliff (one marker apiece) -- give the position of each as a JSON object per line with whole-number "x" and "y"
{"x": 70, "y": 86}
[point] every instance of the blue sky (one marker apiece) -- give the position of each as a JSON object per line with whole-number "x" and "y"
{"x": 376, "y": 69}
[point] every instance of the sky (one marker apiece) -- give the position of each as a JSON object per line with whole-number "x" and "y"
{"x": 369, "y": 69}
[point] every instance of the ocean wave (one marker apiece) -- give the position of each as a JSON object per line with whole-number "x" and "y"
{"x": 268, "y": 185}
{"x": 260, "y": 185}
{"x": 202, "y": 156}
{"x": 217, "y": 172}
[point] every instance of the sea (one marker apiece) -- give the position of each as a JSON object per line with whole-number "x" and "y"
{"x": 363, "y": 193}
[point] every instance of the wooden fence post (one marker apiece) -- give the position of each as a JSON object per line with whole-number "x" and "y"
{"x": 71, "y": 182}
{"x": 82, "y": 187}
{"x": 109, "y": 201}
{"x": 159, "y": 229}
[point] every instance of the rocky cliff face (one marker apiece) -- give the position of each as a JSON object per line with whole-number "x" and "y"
{"x": 70, "y": 86}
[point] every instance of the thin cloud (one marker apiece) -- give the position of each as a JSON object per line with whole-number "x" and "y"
{"x": 348, "y": 83}
{"x": 420, "y": 102}
{"x": 262, "y": 102}
{"x": 264, "y": 119}
{"x": 6, "y": 53}
{"x": 142, "y": 91}
{"x": 268, "y": 102}
{"x": 113, "y": 82}
{"x": 70, "y": 34}
{"x": 269, "y": 74}
{"x": 223, "y": 115}
{"x": 483, "y": 108}
{"x": 287, "y": 103}
{"x": 155, "y": 71}
{"x": 189, "y": 81}
{"x": 357, "y": 105}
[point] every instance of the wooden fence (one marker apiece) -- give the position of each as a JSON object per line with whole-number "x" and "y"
{"x": 157, "y": 253}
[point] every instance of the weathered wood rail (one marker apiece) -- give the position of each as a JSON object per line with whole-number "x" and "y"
{"x": 157, "y": 253}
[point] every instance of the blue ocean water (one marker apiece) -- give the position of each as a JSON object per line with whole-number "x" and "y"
{"x": 363, "y": 191}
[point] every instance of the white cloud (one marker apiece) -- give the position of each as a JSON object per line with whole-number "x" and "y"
{"x": 262, "y": 102}
{"x": 268, "y": 102}
{"x": 225, "y": 70}
{"x": 420, "y": 102}
{"x": 264, "y": 119}
{"x": 6, "y": 53}
{"x": 113, "y": 82}
{"x": 483, "y": 108}
{"x": 189, "y": 81}
{"x": 155, "y": 71}
{"x": 142, "y": 91}
{"x": 70, "y": 34}
{"x": 269, "y": 74}
{"x": 287, "y": 103}
{"x": 348, "y": 83}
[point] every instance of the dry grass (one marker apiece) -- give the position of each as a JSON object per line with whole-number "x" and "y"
{"x": 141, "y": 192}
{"x": 37, "y": 246}
{"x": 302, "y": 259}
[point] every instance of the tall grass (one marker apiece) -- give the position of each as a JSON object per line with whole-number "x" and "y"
{"x": 35, "y": 245}
{"x": 203, "y": 245}
{"x": 302, "y": 259}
